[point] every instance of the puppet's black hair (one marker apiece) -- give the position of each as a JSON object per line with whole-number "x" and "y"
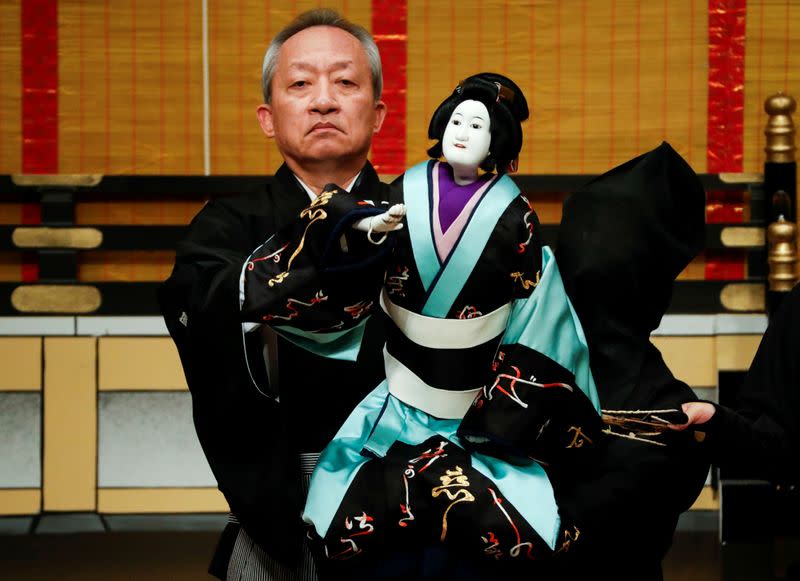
{"x": 507, "y": 110}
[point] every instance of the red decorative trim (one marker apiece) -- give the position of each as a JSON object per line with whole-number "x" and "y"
{"x": 39, "y": 28}
{"x": 725, "y": 129}
{"x": 39, "y": 55}
{"x": 726, "y": 37}
{"x": 29, "y": 268}
{"x": 725, "y": 265}
{"x": 724, "y": 206}
{"x": 389, "y": 27}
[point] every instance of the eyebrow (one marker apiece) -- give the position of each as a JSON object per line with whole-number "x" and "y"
{"x": 460, "y": 114}
{"x": 306, "y": 66}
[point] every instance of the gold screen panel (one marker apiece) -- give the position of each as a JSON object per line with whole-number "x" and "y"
{"x": 691, "y": 359}
{"x": 69, "y": 471}
{"x": 160, "y": 500}
{"x": 22, "y": 370}
{"x": 141, "y": 363}
{"x": 707, "y": 500}
{"x": 20, "y": 501}
{"x": 736, "y": 352}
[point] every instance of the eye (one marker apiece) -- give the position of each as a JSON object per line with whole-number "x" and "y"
{"x": 299, "y": 84}
{"x": 456, "y": 122}
{"x": 476, "y": 126}
{"x": 347, "y": 83}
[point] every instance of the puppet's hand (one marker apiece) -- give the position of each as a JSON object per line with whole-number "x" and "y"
{"x": 389, "y": 221}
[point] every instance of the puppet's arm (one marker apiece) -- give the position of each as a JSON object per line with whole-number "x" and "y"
{"x": 317, "y": 281}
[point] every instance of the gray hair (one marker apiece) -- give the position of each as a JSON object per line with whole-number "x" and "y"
{"x": 321, "y": 17}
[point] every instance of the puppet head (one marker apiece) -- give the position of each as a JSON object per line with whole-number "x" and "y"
{"x": 467, "y": 137}
{"x": 507, "y": 108}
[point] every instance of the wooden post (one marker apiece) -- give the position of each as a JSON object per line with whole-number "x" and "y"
{"x": 780, "y": 189}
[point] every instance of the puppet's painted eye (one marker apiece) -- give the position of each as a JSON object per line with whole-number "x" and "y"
{"x": 456, "y": 122}
{"x": 477, "y": 126}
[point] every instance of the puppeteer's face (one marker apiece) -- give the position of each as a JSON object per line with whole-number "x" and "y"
{"x": 467, "y": 137}
{"x": 323, "y": 107}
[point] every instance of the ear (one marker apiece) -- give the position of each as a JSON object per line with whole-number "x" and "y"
{"x": 380, "y": 115}
{"x": 264, "y": 114}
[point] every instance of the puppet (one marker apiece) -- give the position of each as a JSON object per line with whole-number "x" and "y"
{"x": 475, "y": 306}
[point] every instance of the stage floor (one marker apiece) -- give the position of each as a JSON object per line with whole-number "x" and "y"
{"x": 184, "y": 556}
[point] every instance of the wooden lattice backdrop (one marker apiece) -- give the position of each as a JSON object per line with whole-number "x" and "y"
{"x": 606, "y": 80}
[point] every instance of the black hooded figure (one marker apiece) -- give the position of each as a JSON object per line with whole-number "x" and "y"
{"x": 624, "y": 238}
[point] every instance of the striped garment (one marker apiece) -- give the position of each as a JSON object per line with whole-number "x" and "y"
{"x": 249, "y": 562}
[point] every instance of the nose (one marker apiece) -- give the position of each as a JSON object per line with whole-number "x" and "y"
{"x": 461, "y": 132}
{"x": 324, "y": 100}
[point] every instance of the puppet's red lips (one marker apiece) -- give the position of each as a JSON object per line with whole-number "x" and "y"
{"x": 460, "y": 145}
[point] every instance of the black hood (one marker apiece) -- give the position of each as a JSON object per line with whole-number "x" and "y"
{"x": 624, "y": 238}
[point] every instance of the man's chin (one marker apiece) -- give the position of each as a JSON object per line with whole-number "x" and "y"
{"x": 332, "y": 152}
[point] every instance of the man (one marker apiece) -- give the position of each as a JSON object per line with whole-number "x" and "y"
{"x": 322, "y": 86}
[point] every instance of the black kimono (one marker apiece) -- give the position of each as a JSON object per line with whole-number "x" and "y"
{"x": 764, "y": 428}
{"x": 251, "y": 434}
{"x": 623, "y": 239}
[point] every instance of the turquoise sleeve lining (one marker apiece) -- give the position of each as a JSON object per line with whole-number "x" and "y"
{"x": 343, "y": 345}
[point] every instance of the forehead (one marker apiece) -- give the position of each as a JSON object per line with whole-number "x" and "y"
{"x": 472, "y": 108}
{"x": 322, "y": 47}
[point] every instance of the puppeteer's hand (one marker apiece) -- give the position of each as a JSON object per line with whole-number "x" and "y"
{"x": 389, "y": 221}
{"x": 697, "y": 412}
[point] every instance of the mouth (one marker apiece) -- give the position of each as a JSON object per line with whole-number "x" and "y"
{"x": 460, "y": 145}
{"x": 323, "y": 127}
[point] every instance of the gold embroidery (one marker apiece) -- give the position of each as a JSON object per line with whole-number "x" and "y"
{"x": 453, "y": 479}
{"x": 292, "y": 310}
{"x": 526, "y": 284}
{"x": 314, "y": 212}
{"x": 431, "y": 455}
{"x": 493, "y": 550}
{"x": 569, "y": 538}
{"x": 579, "y": 439}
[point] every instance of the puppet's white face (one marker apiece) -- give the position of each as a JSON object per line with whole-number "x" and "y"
{"x": 466, "y": 139}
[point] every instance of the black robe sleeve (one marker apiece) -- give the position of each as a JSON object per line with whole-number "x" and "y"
{"x": 305, "y": 277}
{"x": 762, "y": 432}
{"x": 237, "y": 426}
{"x": 250, "y": 439}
